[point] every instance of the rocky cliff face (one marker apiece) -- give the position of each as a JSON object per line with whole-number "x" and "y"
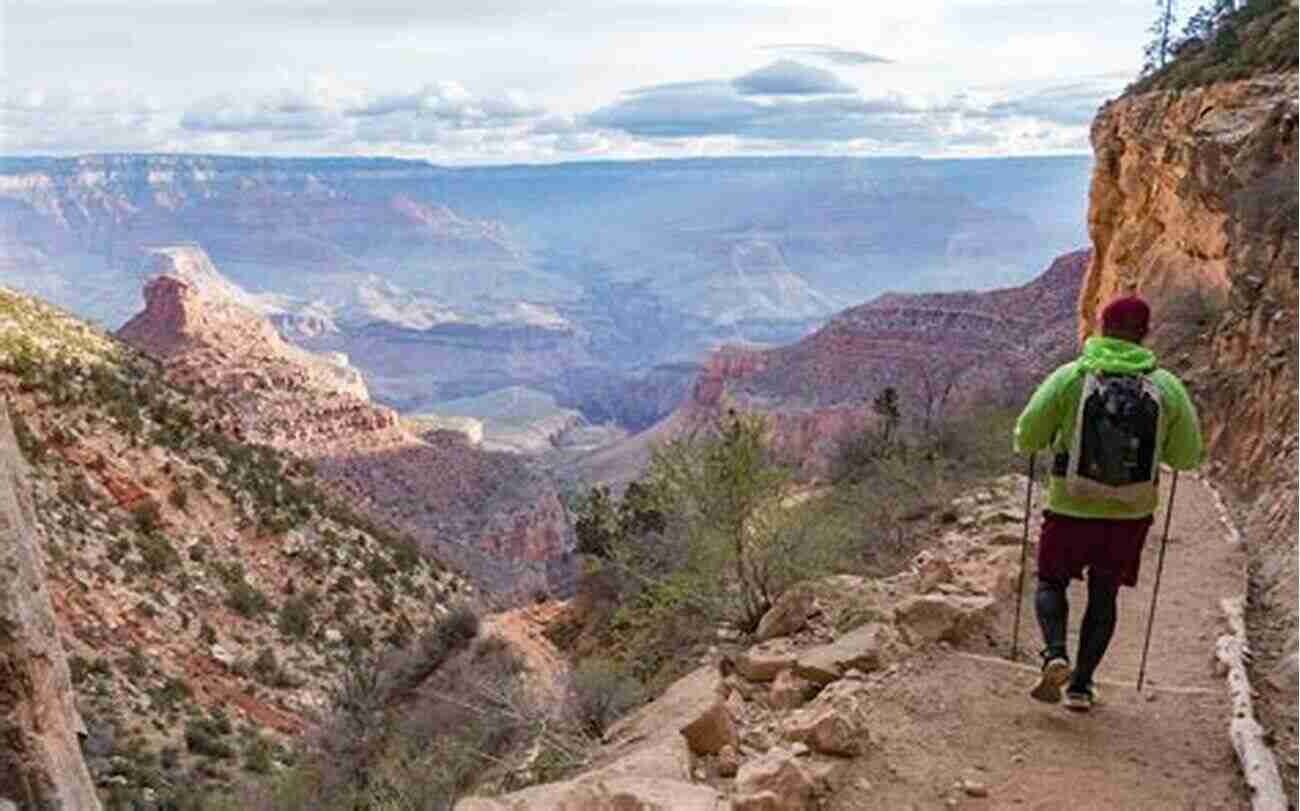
{"x": 941, "y": 351}
{"x": 278, "y": 395}
{"x": 199, "y": 586}
{"x": 40, "y": 755}
{"x": 1193, "y": 205}
{"x": 486, "y": 512}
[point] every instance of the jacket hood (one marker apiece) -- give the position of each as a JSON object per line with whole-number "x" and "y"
{"x": 1116, "y": 356}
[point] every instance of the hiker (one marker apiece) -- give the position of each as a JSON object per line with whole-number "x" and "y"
{"x": 1111, "y": 417}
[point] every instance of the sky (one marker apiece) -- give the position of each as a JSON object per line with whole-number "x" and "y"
{"x": 509, "y": 81}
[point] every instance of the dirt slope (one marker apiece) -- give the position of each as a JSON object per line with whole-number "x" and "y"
{"x": 960, "y": 714}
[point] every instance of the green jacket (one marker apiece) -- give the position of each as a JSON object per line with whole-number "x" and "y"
{"x": 1047, "y": 418}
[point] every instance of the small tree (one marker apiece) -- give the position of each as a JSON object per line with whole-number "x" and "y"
{"x": 727, "y": 490}
{"x": 885, "y": 406}
{"x": 1161, "y": 45}
{"x": 936, "y": 375}
{"x": 596, "y": 525}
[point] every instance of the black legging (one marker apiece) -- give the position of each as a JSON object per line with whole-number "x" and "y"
{"x": 1098, "y": 623}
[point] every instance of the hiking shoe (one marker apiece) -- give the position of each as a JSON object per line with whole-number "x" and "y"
{"x": 1056, "y": 672}
{"x": 1082, "y": 700}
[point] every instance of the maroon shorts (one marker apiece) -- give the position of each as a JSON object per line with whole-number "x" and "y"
{"x": 1107, "y": 546}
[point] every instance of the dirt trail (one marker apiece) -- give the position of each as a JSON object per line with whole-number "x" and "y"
{"x": 954, "y": 714}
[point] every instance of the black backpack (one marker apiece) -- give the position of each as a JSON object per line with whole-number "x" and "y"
{"x": 1114, "y": 447}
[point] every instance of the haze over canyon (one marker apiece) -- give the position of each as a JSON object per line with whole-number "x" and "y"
{"x": 559, "y": 292}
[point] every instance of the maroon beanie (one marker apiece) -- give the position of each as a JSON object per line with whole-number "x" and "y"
{"x": 1128, "y": 314}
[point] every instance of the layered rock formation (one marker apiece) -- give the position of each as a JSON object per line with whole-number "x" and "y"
{"x": 941, "y": 351}
{"x": 1194, "y": 206}
{"x": 581, "y": 280}
{"x": 199, "y": 586}
{"x": 40, "y": 754}
{"x": 487, "y": 513}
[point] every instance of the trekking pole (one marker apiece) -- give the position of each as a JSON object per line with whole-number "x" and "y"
{"x": 1024, "y": 557}
{"x": 1160, "y": 566}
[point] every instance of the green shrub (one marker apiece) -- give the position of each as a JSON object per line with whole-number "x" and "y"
{"x": 246, "y": 600}
{"x": 173, "y": 691}
{"x": 266, "y": 668}
{"x": 203, "y": 737}
{"x": 295, "y": 617}
{"x": 78, "y": 668}
{"x": 725, "y": 490}
{"x": 158, "y": 554}
{"x": 600, "y": 691}
{"x": 179, "y": 498}
{"x": 258, "y": 755}
{"x": 32, "y": 446}
{"x": 147, "y": 515}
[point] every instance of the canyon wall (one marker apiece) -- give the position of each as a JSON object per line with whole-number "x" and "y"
{"x": 40, "y": 755}
{"x": 491, "y": 514}
{"x": 1193, "y": 205}
{"x": 945, "y": 353}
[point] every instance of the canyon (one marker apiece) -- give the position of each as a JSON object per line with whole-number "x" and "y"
{"x": 946, "y": 355}
{"x": 491, "y": 514}
{"x": 601, "y": 285}
{"x": 321, "y": 449}
{"x": 177, "y": 604}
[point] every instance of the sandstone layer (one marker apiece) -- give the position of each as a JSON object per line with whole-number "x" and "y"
{"x": 1193, "y": 205}
{"x": 487, "y": 513}
{"x": 40, "y": 755}
{"x": 942, "y": 352}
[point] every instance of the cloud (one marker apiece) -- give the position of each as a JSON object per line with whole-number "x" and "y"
{"x": 56, "y": 120}
{"x": 718, "y": 109}
{"x": 283, "y": 112}
{"x": 786, "y": 77}
{"x": 420, "y": 116}
{"x": 836, "y": 56}
{"x": 451, "y": 101}
{"x": 681, "y": 87}
{"x": 674, "y": 111}
{"x": 1071, "y": 105}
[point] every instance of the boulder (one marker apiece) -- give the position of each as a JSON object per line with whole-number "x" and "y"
{"x": 828, "y": 731}
{"x": 789, "y": 615}
{"x": 948, "y": 617}
{"x": 762, "y": 801}
{"x": 932, "y": 572}
{"x": 999, "y": 515}
{"x": 865, "y": 648}
{"x": 601, "y": 793}
{"x": 762, "y": 662}
{"x": 728, "y": 761}
{"x": 711, "y": 731}
{"x": 747, "y": 690}
{"x": 997, "y": 574}
{"x": 829, "y": 775}
{"x": 789, "y": 691}
{"x": 774, "y": 782}
{"x": 835, "y": 723}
